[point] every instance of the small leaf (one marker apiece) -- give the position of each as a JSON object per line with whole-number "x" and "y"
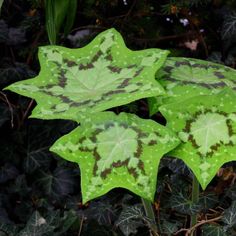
{"x": 57, "y": 184}
{"x": 229, "y": 216}
{"x": 213, "y": 230}
{"x": 8, "y": 229}
{"x": 99, "y": 76}
{"x": 101, "y": 211}
{"x": 130, "y": 219}
{"x": 169, "y": 228}
{"x": 182, "y": 204}
{"x": 208, "y": 200}
{"x": 184, "y": 78}
{"x": 207, "y": 127}
{"x": 116, "y": 151}
{"x": 36, "y": 226}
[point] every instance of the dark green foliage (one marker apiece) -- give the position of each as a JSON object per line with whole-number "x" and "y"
{"x": 39, "y": 192}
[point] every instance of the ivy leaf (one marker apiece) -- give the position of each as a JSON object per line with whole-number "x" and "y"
{"x": 116, "y": 151}
{"x": 210, "y": 230}
{"x": 229, "y": 216}
{"x": 207, "y": 127}
{"x": 37, "y": 225}
{"x": 208, "y": 200}
{"x": 182, "y": 204}
{"x": 94, "y": 78}
{"x": 130, "y": 219}
{"x": 57, "y": 184}
{"x": 185, "y": 77}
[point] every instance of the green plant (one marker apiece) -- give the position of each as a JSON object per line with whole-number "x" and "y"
{"x": 124, "y": 150}
{"x": 57, "y": 13}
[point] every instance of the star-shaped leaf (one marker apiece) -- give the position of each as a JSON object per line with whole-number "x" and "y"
{"x": 206, "y": 126}
{"x": 116, "y": 151}
{"x": 94, "y": 78}
{"x": 186, "y": 77}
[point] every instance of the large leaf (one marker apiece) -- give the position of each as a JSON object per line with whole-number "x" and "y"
{"x": 102, "y": 75}
{"x": 185, "y": 77}
{"x": 207, "y": 127}
{"x": 116, "y": 151}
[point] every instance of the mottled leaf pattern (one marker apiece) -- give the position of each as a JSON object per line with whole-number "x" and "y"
{"x": 185, "y": 77}
{"x": 116, "y": 151}
{"x": 94, "y": 78}
{"x": 206, "y": 126}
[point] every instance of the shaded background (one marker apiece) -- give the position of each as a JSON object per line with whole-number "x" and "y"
{"x": 40, "y": 192}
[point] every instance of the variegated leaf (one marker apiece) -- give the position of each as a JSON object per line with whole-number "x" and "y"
{"x": 207, "y": 127}
{"x": 101, "y": 75}
{"x": 116, "y": 151}
{"x": 186, "y": 77}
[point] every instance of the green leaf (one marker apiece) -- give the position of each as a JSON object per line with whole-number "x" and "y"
{"x": 131, "y": 218}
{"x": 213, "y": 230}
{"x": 37, "y": 225}
{"x": 116, "y": 151}
{"x": 8, "y": 229}
{"x": 57, "y": 184}
{"x": 185, "y": 77}
{"x": 102, "y": 75}
{"x": 206, "y": 126}
{"x": 229, "y": 216}
{"x": 182, "y": 204}
{"x": 169, "y": 228}
{"x": 1, "y": 2}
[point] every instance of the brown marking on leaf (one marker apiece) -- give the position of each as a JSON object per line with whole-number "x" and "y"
{"x": 65, "y": 99}
{"x": 120, "y": 163}
{"x": 181, "y": 63}
{"x": 62, "y": 79}
{"x": 139, "y": 149}
{"x": 170, "y": 79}
{"x": 168, "y": 69}
{"x": 141, "y": 166}
{"x": 132, "y": 171}
{"x": 230, "y": 128}
{"x": 192, "y": 140}
{"x": 124, "y": 84}
{"x": 48, "y": 86}
{"x": 134, "y": 91}
{"x": 76, "y": 104}
{"x": 105, "y": 173}
{"x": 96, "y": 155}
{"x": 69, "y": 62}
{"x": 138, "y": 72}
{"x": 152, "y": 142}
{"x": 219, "y": 75}
{"x": 96, "y": 56}
{"x": 114, "y": 92}
{"x": 114, "y": 69}
{"x": 109, "y": 57}
{"x": 49, "y": 93}
{"x": 86, "y": 66}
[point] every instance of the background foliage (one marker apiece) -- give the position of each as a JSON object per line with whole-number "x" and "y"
{"x": 40, "y": 192}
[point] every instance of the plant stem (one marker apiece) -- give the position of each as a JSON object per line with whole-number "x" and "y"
{"x": 195, "y": 199}
{"x": 150, "y": 214}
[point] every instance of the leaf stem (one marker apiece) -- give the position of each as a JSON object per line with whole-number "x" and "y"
{"x": 151, "y": 215}
{"x": 195, "y": 199}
